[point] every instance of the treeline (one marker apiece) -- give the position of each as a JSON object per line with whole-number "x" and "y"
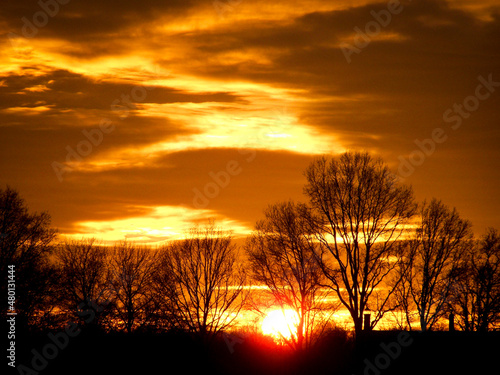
{"x": 193, "y": 284}
{"x": 361, "y": 242}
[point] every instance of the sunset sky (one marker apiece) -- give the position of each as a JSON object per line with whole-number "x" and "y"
{"x": 118, "y": 117}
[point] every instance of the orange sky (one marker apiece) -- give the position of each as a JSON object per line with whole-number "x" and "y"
{"x": 120, "y": 117}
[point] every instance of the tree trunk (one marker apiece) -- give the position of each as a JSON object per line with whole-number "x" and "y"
{"x": 358, "y": 325}
{"x": 423, "y": 323}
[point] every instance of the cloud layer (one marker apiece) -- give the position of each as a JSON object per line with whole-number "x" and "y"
{"x": 115, "y": 113}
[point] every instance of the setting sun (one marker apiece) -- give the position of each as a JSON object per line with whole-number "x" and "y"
{"x": 280, "y": 323}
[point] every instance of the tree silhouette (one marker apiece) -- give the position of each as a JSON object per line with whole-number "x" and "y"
{"x": 281, "y": 255}
{"x": 202, "y": 281}
{"x": 132, "y": 272}
{"x": 476, "y": 292}
{"x": 404, "y": 308}
{"x": 25, "y": 242}
{"x": 439, "y": 242}
{"x": 84, "y": 280}
{"x": 363, "y": 211}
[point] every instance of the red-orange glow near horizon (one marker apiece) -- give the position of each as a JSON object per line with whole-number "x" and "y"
{"x": 280, "y": 324}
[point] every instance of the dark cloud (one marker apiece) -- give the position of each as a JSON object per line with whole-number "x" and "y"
{"x": 66, "y": 90}
{"x": 89, "y": 21}
{"x": 264, "y": 177}
{"x": 394, "y": 90}
{"x": 437, "y": 44}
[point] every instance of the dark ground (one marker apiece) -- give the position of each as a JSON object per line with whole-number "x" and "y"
{"x": 376, "y": 353}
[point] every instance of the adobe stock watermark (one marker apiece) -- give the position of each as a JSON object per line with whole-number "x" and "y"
{"x": 224, "y": 6}
{"x": 372, "y": 29}
{"x": 48, "y": 9}
{"x": 59, "y": 341}
{"x": 234, "y": 338}
{"x": 455, "y": 115}
{"x": 93, "y": 137}
{"x": 390, "y": 352}
{"x": 222, "y": 178}
{"x": 11, "y": 314}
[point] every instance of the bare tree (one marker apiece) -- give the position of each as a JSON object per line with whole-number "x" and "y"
{"x": 281, "y": 255}
{"x": 476, "y": 292}
{"x": 133, "y": 268}
{"x": 165, "y": 315}
{"x": 85, "y": 279}
{"x": 25, "y": 245}
{"x": 363, "y": 212}
{"x": 404, "y": 308}
{"x": 202, "y": 280}
{"x": 439, "y": 242}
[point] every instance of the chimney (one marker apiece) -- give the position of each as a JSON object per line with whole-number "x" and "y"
{"x": 366, "y": 322}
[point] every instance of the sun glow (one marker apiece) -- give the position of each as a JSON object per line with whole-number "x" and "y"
{"x": 153, "y": 224}
{"x": 281, "y": 324}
